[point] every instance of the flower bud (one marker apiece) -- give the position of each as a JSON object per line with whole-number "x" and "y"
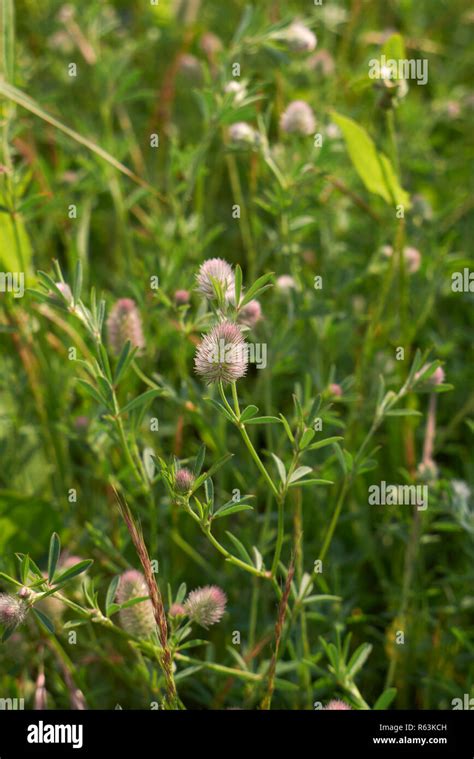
{"x": 184, "y": 480}
{"x": 181, "y": 297}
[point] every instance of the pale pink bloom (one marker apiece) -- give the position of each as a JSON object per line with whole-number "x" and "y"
{"x": 219, "y": 270}
{"x": 139, "y": 619}
{"x": 285, "y": 284}
{"x": 335, "y": 389}
{"x": 206, "y": 606}
{"x": 13, "y": 611}
{"x": 298, "y": 118}
{"x": 124, "y": 323}
{"x": 299, "y": 38}
{"x": 242, "y": 135}
{"x": 222, "y": 355}
{"x": 335, "y": 705}
{"x": 250, "y": 314}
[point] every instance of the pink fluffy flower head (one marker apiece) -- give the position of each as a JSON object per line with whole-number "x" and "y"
{"x": 336, "y": 705}
{"x": 139, "y": 619}
{"x": 299, "y": 38}
{"x": 222, "y": 355}
{"x": 298, "y": 118}
{"x": 184, "y": 480}
{"x": 206, "y": 606}
{"x": 335, "y": 389}
{"x": 219, "y": 270}
{"x": 124, "y": 323}
{"x": 13, "y": 611}
{"x": 250, "y": 314}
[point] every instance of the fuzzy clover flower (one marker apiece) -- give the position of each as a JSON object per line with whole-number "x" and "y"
{"x": 285, "y": 283}
{"x": 139, "y": 619}
{"x": 217, "y": 269}
{"x": 13, "y": 611}
{"x": 336, "y": 705}
{"x": 298, "y": 118}
{"x": 124, "y": 323}
{"x": 299, "y": 38}
{"x": 250, "y": 314}
{"x": 242, "y": 135}
{"x": 335, "y": 389}
{"x": 206, "y": 606}
{"x": 237, "y": 89}
{"x": 184, "y": 480}
{"x": 222, "y": 355}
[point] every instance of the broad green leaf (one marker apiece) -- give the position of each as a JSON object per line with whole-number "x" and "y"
{"x": 15, "y": 246}
{"x": 394, "y": 47}
{"x": 374, "y": 168}
{"x": 248, "y": 413}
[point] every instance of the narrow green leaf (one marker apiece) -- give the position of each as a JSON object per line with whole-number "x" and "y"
{"x": 300, "y": 472}
{"x": 263, "y": 420}
{"x": 111, "y": 592}
{"x": 199, "y": 460}
{"x": 45, "y": 620}
{"x": 225, "y": 511}
{"x": 54, "y": 551}
{"x": 323, "y": 443}
{"x": 257, "y": 287}
{"x": 74, "y": 571}
{"x": 142, "y": 400}
{"x": 237, "y": 284}
{"x": 280, "y": 466}
{"x": 384, "y": 701}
